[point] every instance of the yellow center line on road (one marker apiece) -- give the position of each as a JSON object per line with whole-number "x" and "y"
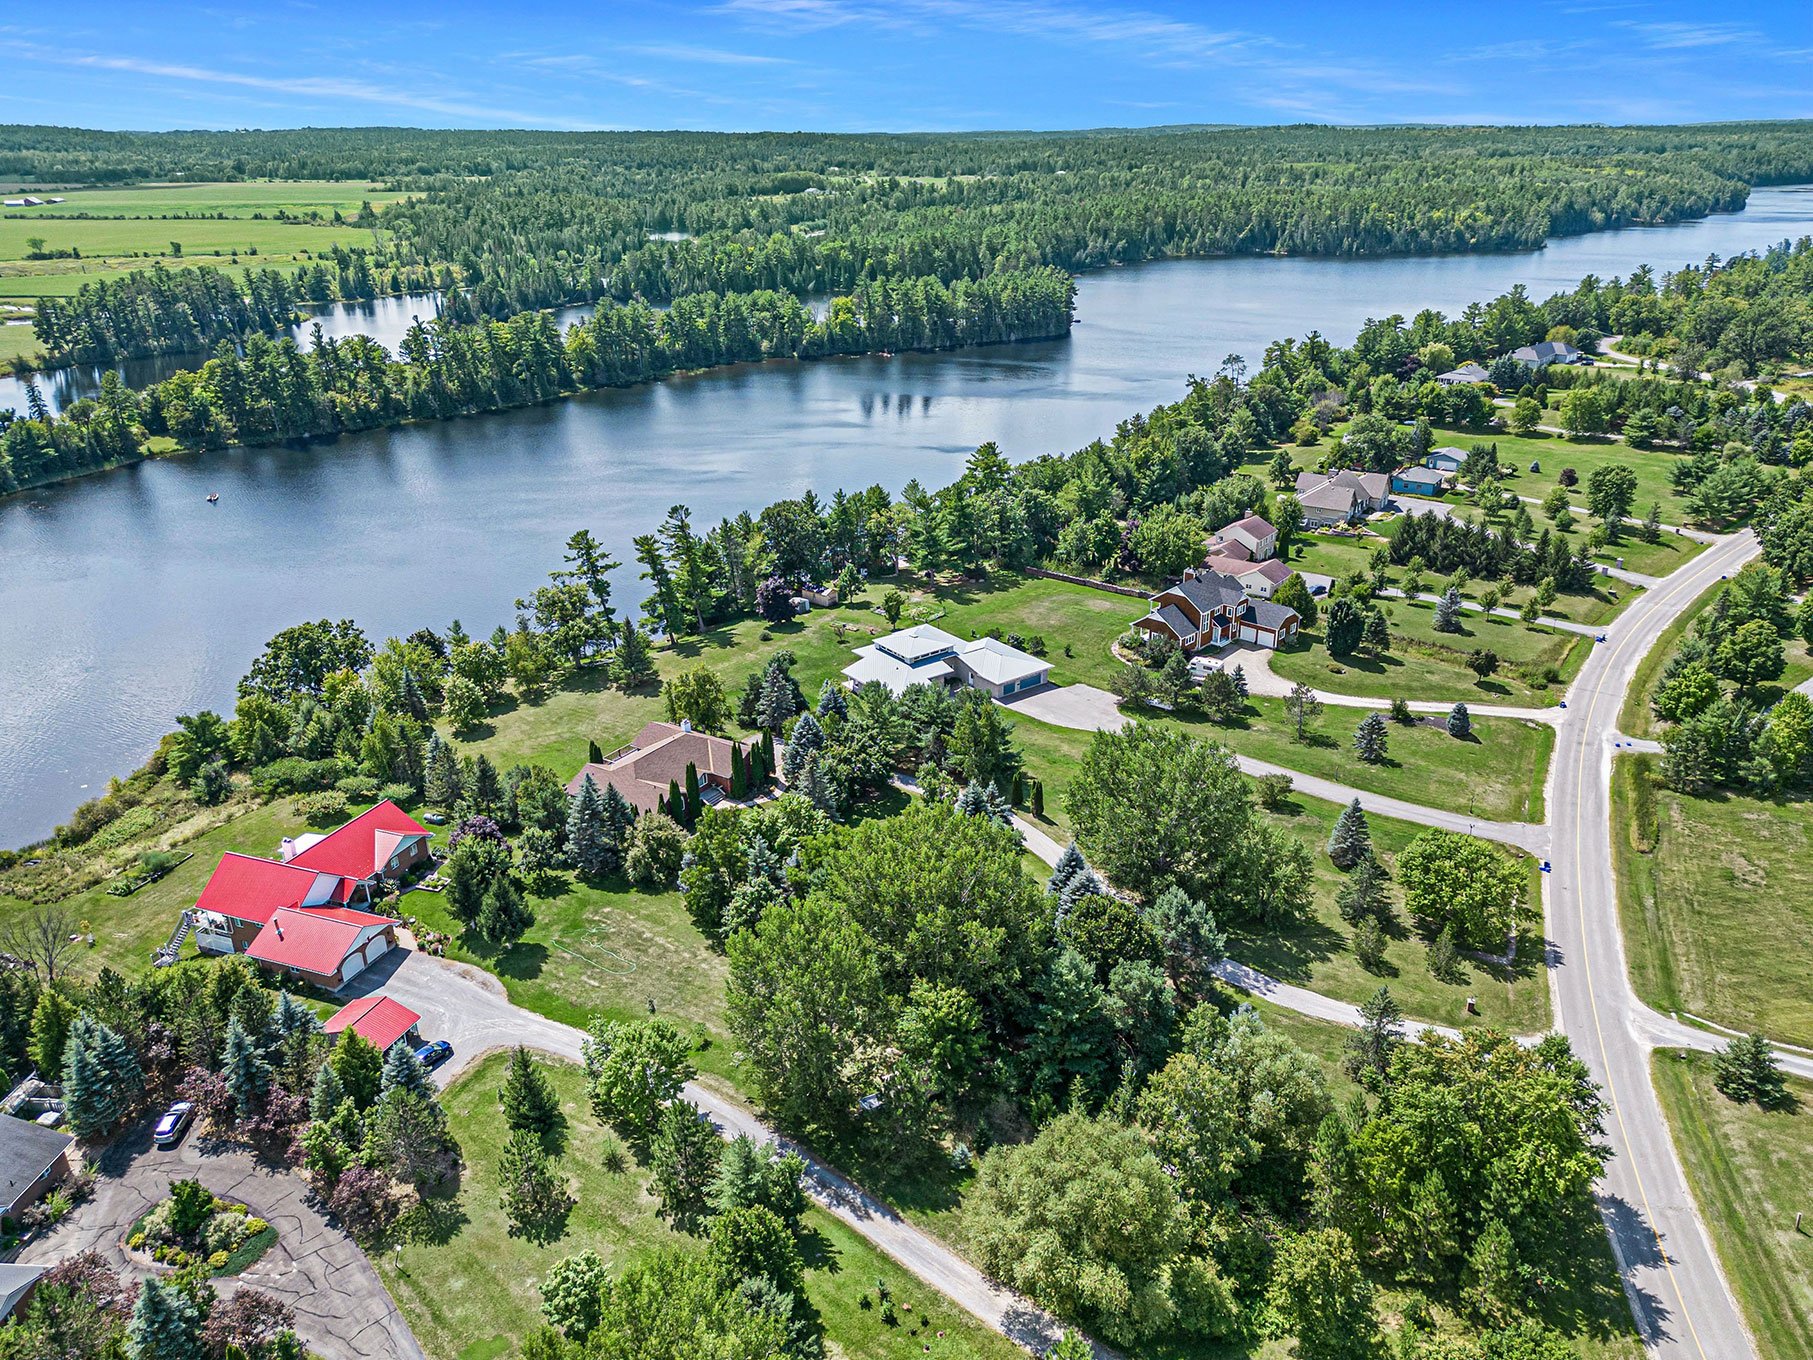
{"x": 1586, "y": 958}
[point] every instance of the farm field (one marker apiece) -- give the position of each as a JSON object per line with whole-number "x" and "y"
{"x": 1751, "y": 1172}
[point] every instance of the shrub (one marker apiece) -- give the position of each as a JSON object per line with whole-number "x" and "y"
{"x": 217, "y": 1260}
{"x": 319, "y": 809}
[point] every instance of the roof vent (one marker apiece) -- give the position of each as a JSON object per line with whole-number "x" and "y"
{"x": 686, "y": 724}
{"x": 277, "y": 926}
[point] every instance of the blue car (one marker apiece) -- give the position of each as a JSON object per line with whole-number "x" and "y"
{"x": 434, "y": 1054}
{"x": 173, "y": 1124}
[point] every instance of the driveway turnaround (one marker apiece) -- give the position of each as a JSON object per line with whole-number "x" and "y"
{"x": 343, "y": 1311}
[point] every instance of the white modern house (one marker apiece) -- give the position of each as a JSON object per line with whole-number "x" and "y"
{"x": 927, "y": 655}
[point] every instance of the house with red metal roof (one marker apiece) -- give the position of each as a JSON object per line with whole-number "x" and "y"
{"x": 327, "y": 946}
{"x": 326, "y": 877}
{"x": 376, "y": 1019}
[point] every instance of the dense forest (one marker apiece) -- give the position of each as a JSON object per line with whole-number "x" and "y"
{"x": 516, "y": 221}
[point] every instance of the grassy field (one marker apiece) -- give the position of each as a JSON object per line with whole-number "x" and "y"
{"x": 1751, "y": 1171}
{"x": 117, "y": 230}
{"x": 468, "y": 1287}
{"x": 1650, "y": 559}
{"x": 1711, "y": 892}
{"x": 1553, "y": 452}
{"x": 1635, "y": 718}
{"x": 1425, "y": 664}
{"x": 17, "y": 342}
{"x": 1318, "y": 953}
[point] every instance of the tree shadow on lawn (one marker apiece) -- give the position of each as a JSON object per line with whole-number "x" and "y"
{"x": 436, "y": 1219}
{"x": 1288, "y": 954}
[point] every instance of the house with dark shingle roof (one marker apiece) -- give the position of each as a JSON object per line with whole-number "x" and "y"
{"x": 1252, "y": 539}
{"x": 1464, "y": 375}
{"x": 1545, "y": 352}
{"x": 33, "y": 1159}
{"x": 1209, "y": 609}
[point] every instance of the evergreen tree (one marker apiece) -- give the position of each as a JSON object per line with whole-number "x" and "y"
{"x": 50, "y": 1026}
{"x": 633, "y": 664}
{"x": 165, "y": 1323}
{"x": 1070, "y": 864}
{"x": 443, "y": 785}
{"x": 1493, "y": 1285}
{"x": 617, "y": 815}
{"x": 1240, "y": 680}
{"x": 1371, "y": 740}
{"x": 247, "y": 1074}
{"x": 593, "y": 755}
{"x": 1364, "y": 895}
{"x": 504, "y": 917}
{"x": 360, "y": 1068}
{"x": 693, "y": 805}
{"x": 1746, "y": 1070}
{"x": 831, "y": 702}
{"x": 683, "y": 1158}
{"x": 777, "y": 701}
{"x": 1460, "y": 722}
{"x": 1370, "y": 1047}
{"x": 528, "y": 1099}
{"x": 1369, "y": 944}
{"x": 1038, "y": 797}
{"x": 101, "y": 1077}
{"x": 1351, "y": 839}
{"x": 817, "y": 788}
{"x": 1377, "y": 637}
{"x": 585, "y": 832}
{"x": 807, "y": 738}
{"x": 403, "y": 1071}
{"x": 487, "y": 791}
{"x": 1444, "y": 958}
{"x": 327, "y": 1094}
{"x": 768, "y": 752}
{"x": 739, "y": 773}
{"x": 533, "y": 1195}
{"x": 1447, "y": 611}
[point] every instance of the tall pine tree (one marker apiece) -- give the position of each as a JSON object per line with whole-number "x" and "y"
{"x": 585, "y": 832}
{"x": 1351, "y": 838}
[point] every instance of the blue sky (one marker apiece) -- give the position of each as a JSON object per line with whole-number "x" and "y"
{"x": 894, "y": 65}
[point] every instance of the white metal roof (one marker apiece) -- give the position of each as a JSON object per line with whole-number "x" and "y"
{"x": 874, "y": 664}
{"x": 998, "y": 663}
{"x": 919, "y": 642}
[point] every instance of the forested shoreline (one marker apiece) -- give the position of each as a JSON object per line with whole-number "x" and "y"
{"x": 277, "y": 390}
{"x": 511, "y": 222}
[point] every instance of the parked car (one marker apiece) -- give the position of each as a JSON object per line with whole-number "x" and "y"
{"x": 434, "y": 1054}
{"x": 173, "y": 1124}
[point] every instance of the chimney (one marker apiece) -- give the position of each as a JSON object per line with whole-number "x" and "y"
{"x": 686, "y": 724}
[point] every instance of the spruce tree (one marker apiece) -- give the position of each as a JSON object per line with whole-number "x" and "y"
{"x": 503, "y": 917}
{"x": 1369, "y": 944}
{"x": 101, "y": 1077}
{"x": 816, "y": 786}
{"x": 1444, "y": 958}
{"x": 1240, "y": 679}
{"x": 528, "y": 1099}
{"x": 617, "y": 816}
{"x": 1447, "y": 611}
{"x": 970, "y": 801}
{"x": 1070, "y": 864}
{"x": 327, "y": 1094}
{"x": 1371, "y": 1046}
{"x": 1746, "y": 1070}
{"x": 1351, "y": 838}
{"x": 404, "y": 1071}
{"x": 1377, "y": 637}
{"x": 443, "y": 785}
{"x": 165, "y": 1324}
{"x": 360, "y": 1068}
{"x": 247, "y": 1074}
{"x": 1371, "y": 741}
{"x": 776, "y": 703}
{"x": 633, "y": 665}
{"x": 1364, "y": 895}
{"x": 533, "y": 1193}
{"x": 487, "y": 791}
{"x": 831, "y": 702}
{"x": 585, "y": 832}
{"x": 807, "y": 738}
{"x": 1460, "y": 722}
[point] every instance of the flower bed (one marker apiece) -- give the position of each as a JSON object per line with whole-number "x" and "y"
{"x": 194, "y": 1226}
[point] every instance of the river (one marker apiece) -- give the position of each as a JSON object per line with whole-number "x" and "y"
{"x": 126, "y": 599}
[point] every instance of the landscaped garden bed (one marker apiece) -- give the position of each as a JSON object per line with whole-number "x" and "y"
{"x": 194, "y": 1225}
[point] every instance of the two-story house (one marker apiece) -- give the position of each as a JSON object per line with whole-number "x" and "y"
{"x": 1210, "y": 609}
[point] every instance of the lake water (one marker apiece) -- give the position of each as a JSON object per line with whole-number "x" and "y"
{"x": 126, "y": 599}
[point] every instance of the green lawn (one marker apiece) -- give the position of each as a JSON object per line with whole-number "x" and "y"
{"x": 1751, "y": 1171}
{"x": 236, "y": 198}
{"x": 1318, "y": 953}
{"x": 1716, "y": 896}
{"x": 17, "y": 342}
{"x": 468, "y": 1288}
{"x": 1636, "y": 719}
{"x": 1651, "y": 559}
{"x": 1553, "y": 452}
{"x": 1535, "y": 661}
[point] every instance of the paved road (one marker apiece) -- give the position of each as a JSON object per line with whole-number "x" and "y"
{"x": 342, "y": 1309}
{"x": 1683, "y": 1304}
{"x": 470, "y": 1008}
